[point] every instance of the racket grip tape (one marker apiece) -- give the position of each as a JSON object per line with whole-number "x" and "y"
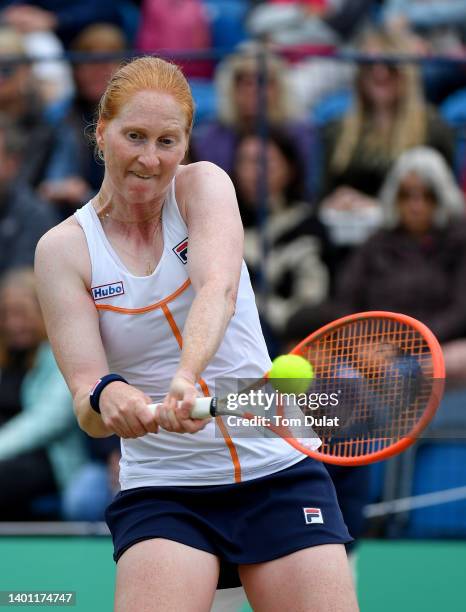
{"x": 204, "y": 408}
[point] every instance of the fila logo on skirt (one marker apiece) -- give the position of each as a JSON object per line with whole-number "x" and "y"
{"x": 313, "y": 515}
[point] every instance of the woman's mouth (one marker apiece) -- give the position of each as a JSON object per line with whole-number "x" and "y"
{"x": 142, "y": 176}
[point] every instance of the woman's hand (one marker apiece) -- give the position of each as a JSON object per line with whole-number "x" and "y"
{"x": 124, "y": 410}
{"x": 174, "y": 417}
{"x": 347, "y": 198}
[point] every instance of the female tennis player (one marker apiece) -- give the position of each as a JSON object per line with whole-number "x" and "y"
{"x": 136, "y": 316}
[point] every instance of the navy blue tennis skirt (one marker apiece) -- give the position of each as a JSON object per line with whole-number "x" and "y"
{"x": 249, "y": 522}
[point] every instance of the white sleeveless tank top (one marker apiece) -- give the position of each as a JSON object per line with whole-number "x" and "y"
{"x": 141, "y": 324}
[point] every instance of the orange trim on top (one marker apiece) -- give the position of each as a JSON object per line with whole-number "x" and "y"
{"x": 205, "y": 389}
{"x": 160, "y": 304}
{"x": 173, "y": 325}
{"x": 231, "y": 447}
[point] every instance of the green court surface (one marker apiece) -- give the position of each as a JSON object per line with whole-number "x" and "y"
{"x": 405, "y": 576}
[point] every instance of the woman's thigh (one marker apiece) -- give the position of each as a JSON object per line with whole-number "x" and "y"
{"x": 315, "y": 579}
{"x": 159, "y": 574}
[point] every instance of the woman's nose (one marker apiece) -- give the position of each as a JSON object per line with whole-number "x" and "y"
{"x": 150, "y": 157}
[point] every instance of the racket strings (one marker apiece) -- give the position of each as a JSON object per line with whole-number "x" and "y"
{"x": 383, "y": 372}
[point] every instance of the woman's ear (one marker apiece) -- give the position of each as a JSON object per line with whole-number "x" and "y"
{"x": 99, "y": 135}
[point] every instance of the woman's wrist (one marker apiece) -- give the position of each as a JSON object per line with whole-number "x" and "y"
{"x": 187, "y": 374}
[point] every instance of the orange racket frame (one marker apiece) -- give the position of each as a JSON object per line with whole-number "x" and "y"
{"x": 437, "y": 373}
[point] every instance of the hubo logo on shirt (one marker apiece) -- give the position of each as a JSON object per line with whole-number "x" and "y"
{"x": 181, "y": 250}
{"x": 107, "y": 291}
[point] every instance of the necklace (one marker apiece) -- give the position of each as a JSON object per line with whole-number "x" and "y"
{"x": 105, "y": 209}
{"x": 147, "y": 257}
{"x": 147, "y": 219}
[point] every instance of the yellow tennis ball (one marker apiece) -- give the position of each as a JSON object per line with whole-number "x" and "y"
{"x": 291, "y": 374}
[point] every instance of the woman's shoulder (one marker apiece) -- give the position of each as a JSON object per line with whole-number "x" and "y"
{"x": 201, "y": 185}
{"x": 65, "y": 234}
{"x": 197, "y": 176}
{"x": 63, "y": 249}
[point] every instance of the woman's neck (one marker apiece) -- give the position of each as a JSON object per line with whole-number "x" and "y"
{"x": 108, "y": 207}
{"x": 382, "y": 119}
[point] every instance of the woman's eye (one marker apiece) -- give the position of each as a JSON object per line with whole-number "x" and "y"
{"x": 134, "y": 136}
{"x": 166, "y": 141}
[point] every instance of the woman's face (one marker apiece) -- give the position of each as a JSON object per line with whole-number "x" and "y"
{"x": 246, "y": 94}
{"x": 92, "y": 78}
{"x": 13, "y": 80}
{"x": 381, "y": 85}
{"x": 143, "y": 146}
{"x": 249, "y": 159}
{"x": 416, "y": 204}
{"x": 21, "y": 323}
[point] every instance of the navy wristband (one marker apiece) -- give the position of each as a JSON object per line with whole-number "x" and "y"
{"x": 100, "y": 385}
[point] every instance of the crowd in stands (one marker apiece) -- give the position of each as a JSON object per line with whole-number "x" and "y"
{"x": 349, "y": 173}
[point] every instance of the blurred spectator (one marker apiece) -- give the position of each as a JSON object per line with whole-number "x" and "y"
{"x": 388, "y": 116}
{"x": 309, "y": 21}
{"x": 441, "y": 24}
{"x": 53, "y": 76}
{"x": 40, "y": 444}
{"x": 240, "y": 107}
{"x": 176, "y": 26}
{"x": 310, "y": 30}
{"x": 65, "y": 18}
{"x": 416, "y": 264}
{"x": 95, "y": 483}
{"x": 297, "y": 247}
{"x": 437, "y": 27}
{"x": 23, "y": 218}
{"x": 21, "y": 105}
{"x": 69, "y": 192}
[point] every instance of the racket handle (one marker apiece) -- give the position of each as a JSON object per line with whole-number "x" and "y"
{"x": 204, "y": 408}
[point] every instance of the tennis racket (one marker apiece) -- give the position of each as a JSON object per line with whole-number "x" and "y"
{"x": 385, "y": 373}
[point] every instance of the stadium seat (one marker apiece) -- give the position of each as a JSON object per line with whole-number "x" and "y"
{"x": 376, "y": 481}
{"x": 434, "y": 464}
{"x": 129, "y": 17}
{"x": 331, "y": 106}
{"x": 453, "y": 110}
{"x": 227, "y": 21}
{"x": 439, "y": 466}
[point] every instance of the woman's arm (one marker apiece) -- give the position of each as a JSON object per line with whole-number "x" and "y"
{"x": 208, "y": 203}
{"x": 214, "y": 262}
{"x": 62, "y": 269}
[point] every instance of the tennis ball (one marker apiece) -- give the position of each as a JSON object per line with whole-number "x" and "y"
{"x": 291, "y": 374}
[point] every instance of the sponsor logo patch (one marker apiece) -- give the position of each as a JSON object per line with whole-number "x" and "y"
{"x": 181, "y": 250}
{"x": 101, "y": 292}
{"x": 313, "y": 515}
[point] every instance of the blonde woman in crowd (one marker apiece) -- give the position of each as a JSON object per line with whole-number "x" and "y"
{"x": 240, "y": 107}
{"x": 388, "y": 116}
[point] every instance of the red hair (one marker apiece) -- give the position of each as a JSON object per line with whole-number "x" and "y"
{"x": 146, "y": 73}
